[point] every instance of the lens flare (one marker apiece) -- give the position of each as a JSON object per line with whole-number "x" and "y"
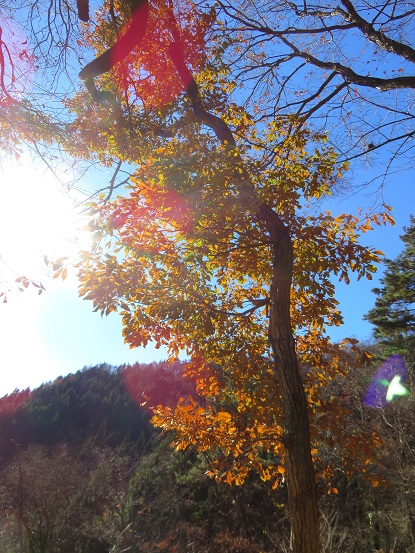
{"x": 387, "y": 383}
{"x": 17, "y": 61}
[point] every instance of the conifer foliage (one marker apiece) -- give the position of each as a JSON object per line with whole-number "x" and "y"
{"x": 394, "y": 313}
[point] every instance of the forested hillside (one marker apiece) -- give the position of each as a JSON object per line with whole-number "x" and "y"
{"x": 83, "y": 470}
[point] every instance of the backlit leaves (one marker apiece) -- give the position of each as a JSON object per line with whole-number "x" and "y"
{"x": 187, "y": 263}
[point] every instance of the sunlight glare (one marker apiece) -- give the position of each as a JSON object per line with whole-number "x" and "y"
{"x": 37, "y": 219}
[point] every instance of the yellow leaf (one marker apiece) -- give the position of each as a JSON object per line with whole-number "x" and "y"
{"x": 223, "y": 416}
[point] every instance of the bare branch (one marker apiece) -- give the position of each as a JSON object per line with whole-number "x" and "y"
{"x": 378, "y": 37}
{"x": 367, "y": 47}
{"x": 351, "y": 76}
{"x": 403, "y": 137}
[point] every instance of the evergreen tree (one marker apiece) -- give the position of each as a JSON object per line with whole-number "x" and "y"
{"x": 394, "y": 313}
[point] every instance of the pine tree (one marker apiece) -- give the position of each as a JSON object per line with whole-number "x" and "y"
{"x": 394, "y": 313}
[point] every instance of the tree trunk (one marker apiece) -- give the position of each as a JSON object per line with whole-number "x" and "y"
{"x": 302, "y": 500}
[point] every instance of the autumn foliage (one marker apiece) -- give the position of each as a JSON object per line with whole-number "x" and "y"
{"x": 188, "y": 267}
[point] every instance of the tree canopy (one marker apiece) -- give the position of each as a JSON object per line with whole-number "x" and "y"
{"x": 347, "y": 68}
{"x": 200, "y": 257}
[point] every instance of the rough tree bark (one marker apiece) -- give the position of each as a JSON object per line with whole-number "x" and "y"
{"x": 302, "y": 500}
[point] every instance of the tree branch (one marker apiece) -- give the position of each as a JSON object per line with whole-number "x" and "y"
{"x": 351, "y": 76}
{"x": 377, "y": 37}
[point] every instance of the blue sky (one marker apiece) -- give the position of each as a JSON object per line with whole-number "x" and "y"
{"x": 357, "y": 298}
{"x": 43, "y": 337}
